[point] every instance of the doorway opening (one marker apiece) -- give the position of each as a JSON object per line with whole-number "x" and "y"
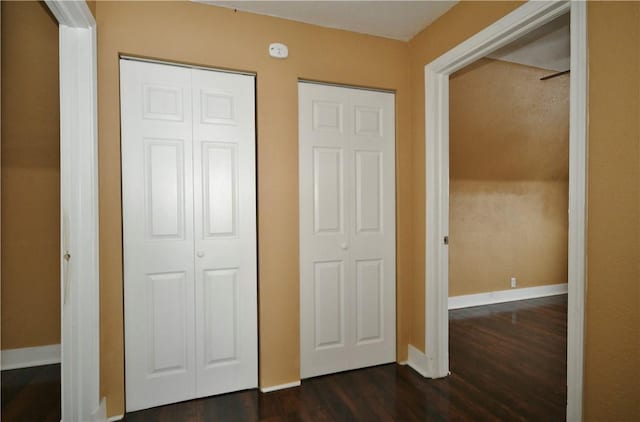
{"x": 508, "y": 223}
{"x": 523, "y": 20}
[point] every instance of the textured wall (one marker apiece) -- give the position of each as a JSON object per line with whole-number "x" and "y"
{"x": 509, "y": 169}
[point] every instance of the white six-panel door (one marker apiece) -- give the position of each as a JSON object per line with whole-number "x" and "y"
{"x": 189, "y": 232}
{"x": 347, "y": 228}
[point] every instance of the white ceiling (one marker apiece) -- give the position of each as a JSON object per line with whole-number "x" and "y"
{"x": 399, "y": 20}
{"x": 547, "y": 47}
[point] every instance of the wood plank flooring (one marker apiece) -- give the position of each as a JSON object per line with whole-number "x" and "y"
{"x": 31, "y": 394}
{"x": 508, "y": 362}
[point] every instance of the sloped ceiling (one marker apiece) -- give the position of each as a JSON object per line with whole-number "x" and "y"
{"x": 547, "y": 47}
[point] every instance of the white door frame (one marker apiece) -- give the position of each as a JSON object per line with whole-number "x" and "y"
{"x": 524, "y": 19}
{"x": 80, "y": 289}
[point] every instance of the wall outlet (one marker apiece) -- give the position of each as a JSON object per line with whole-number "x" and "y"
{"x": 513, "y": 282}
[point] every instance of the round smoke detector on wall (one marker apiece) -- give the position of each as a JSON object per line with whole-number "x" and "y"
{"x": 278, "y": 50}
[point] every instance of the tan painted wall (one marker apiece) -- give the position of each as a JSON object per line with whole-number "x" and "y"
{"x": 509, "y": 168}
{"x": 200, "y": 34}
{"x": 30, "y": 177}
{"x": 612, "y": 348}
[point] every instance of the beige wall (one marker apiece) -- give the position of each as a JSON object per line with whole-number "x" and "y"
{"x": 612, "y": 349}
{"x": 509, "y": 164}
{"x": 30, "y": 177}
{"x": 612, "y": 344}
{"x": 200, "y": 34}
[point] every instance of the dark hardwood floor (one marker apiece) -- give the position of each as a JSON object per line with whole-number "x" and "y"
{"x": 508, "y": 362}
{"x": 31, "y": 394}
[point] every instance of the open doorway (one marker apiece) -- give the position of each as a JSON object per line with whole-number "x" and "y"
{"x": 508, "y": 223}
{"x": 513, "y": 26}
{"x": 31, "y": 330}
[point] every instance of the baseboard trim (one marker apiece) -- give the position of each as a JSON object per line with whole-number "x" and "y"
{"x": 480, "y": 299}
{"x": 30, "y": 356}
{"x": 418, "y": 361}
{"x": 280, "y": 387}
{"x": 115, "y": 418}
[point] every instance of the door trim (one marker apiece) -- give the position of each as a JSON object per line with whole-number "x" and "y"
{"x": 188, "y": 66}
{"x": 339, "y": 85}
{"x": 524, "y": 19}
{"x": 80, "y": 302}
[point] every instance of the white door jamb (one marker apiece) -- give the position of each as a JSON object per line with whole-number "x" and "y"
{"x": 80, "y": 288}
{"x": 521, "y": 21}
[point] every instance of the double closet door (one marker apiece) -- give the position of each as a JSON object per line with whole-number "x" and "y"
{"x": 347, "y": 228}
{"x": 189, "y": 232}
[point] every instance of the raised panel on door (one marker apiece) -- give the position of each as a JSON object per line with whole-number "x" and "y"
{"x": 369, "y": 191}
{"x": 225, "y": 232}
{"x": 220, "y": 189}
{"x": 329, "y": 313}
{"x": 157, "y": 234}
{"x": 164, "y": 188}
{"x": 347, "y": 228}
{"x": 221, "y": 313}
{"x": 166, "y": 323}
{"x": 369, "y": 301}
{"x": 328, "y": 190}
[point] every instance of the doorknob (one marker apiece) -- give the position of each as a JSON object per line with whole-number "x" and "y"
{"x": 344, "y": 245}
{"x": 200, "y": 254}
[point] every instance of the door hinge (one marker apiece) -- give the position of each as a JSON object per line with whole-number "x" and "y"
{"x": 446, "y": 240}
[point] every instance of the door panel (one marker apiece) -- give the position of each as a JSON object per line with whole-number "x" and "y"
{"x": 225, "y": 227}
{"x": 347, "y": 228}
{"x": 189, "y": 226}
{"x": 157, "y": 206}
{"x": 164, "y": 188}
{"x": 369, "y": 300}
{"x": 328, "y": 206}
{"x": 219, "y": 175}
{"x": 329, "y": 304}
{"x": 166, "y": 323}
{"x": 221, "y": 317}
{"x": 368, "y": 189}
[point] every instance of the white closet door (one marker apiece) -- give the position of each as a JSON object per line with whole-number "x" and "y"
{"x": 225, "y": 232}
{"x": 347, "y": 228}
{"x": 189, "y": 217}
{"x": 157, "y": 207}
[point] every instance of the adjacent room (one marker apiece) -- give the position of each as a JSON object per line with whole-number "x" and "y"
{"x": 317, "y": 210}
{"x": 508, "y": 223}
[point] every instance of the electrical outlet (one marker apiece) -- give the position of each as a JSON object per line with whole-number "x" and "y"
{"x": 513, "y": 282}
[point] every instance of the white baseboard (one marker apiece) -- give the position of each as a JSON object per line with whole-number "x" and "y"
{"x": 467, "y": 301}
{"x": 280, "y": 387}
{"x": 418, "y": 361}
{"x": 30, "y": 356}
{"x": 115, "y": 418}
